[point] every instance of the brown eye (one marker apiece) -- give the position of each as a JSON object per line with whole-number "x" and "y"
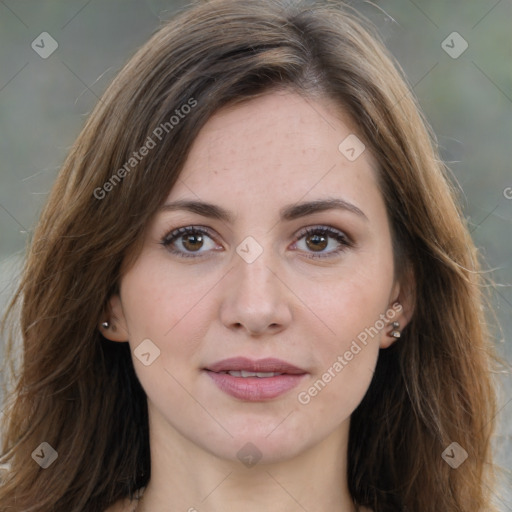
{"x": 317, "y": 242}
{"x": 189, "y": 242}
{"x": 322, "y": 242}
{"x": 192, "y": 242}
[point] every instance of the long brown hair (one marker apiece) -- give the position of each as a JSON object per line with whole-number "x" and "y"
{"x": 78, "y": 392}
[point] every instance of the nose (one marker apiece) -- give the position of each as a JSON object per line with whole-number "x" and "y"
{"x": 255, "y": 299}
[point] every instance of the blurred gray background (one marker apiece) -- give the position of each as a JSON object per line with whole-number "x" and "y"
{"x": 465, "y": 93}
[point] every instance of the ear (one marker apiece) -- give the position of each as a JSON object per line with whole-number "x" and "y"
{"x": 401, "y": 306}
{"x": 114, "y": 315}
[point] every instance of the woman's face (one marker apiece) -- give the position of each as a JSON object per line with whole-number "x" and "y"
{"x": 310, "y": 286}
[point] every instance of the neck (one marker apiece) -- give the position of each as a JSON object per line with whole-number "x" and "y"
{"x": 185, "y": 477}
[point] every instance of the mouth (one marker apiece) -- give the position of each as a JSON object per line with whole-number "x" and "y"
{"x": 255, "y": 380}
{"x": 245, "y": 374}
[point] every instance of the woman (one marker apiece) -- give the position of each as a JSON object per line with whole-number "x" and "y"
{"x": 252, "y": 287}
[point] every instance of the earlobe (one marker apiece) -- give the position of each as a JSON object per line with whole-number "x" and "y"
{"x": 393, "y": 329}
{"x": 402, "y": 306}
{"x": 113, "y": 326}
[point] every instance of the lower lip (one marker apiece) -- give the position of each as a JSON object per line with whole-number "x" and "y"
{"x": 255, "y": 389}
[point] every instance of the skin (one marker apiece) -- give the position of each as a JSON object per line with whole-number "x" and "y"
{"x": 253, "y": 159}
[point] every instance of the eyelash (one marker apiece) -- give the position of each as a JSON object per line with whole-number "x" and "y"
{"x": 340, "y": 237}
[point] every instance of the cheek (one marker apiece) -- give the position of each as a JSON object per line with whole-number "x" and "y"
{"x": 153, "y": 299}
{"x": 166, "y": 307}
{"x": 347, "y": 357}
{"x": 351, "y": 309}
{"x": 158, "y": 306}
{"x": 354, "y": 300}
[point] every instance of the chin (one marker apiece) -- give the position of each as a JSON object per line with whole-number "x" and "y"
{"x": 267, "y": 440}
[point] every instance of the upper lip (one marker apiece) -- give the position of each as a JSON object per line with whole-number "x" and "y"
{"x": 255, "y": 365}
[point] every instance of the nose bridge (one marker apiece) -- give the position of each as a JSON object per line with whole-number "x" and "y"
{"x": 252, "y": 273}
{"x": 254, "y": 297}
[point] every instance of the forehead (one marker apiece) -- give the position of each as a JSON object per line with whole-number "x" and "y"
{"x": 279, "y": 146}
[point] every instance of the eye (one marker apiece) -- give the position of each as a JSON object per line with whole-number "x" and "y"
{"x": 194, "y": 241}
{"x": 188, "y": 241}
{"x": 319, "y": 238}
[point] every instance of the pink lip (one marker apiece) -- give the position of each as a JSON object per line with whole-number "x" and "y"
{"x": 255, "y": 389}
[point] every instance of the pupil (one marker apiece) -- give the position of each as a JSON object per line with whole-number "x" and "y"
{"x": 193, "y": 242}
{"x": 317, "y": 241}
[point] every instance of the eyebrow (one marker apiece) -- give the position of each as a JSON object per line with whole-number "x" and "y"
{"x": 288, "y": 213}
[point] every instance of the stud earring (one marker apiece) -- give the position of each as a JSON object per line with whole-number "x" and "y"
{"x": 105, "y": 324}
{"x": 395, "y": 332}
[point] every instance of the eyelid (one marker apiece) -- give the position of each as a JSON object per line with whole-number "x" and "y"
{"x": 173, "y": 233}
{"x": 325, "y": 228}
